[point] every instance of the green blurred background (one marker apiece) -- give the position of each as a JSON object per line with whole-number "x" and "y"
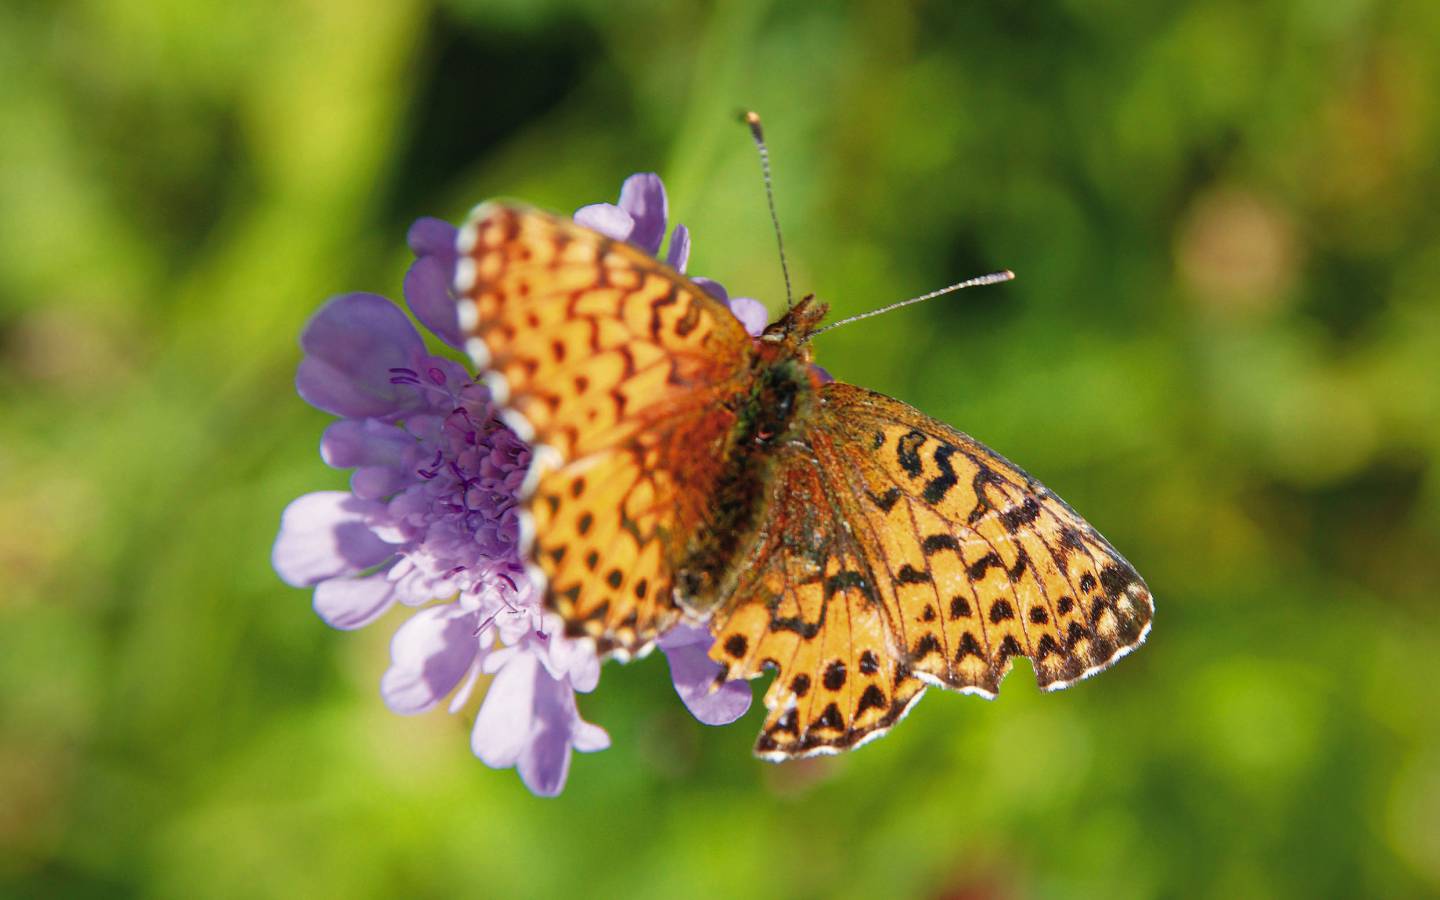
{"x": 1221, "y": 347}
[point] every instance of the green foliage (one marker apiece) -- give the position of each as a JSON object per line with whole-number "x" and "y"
{"x": 1220, "y": 347}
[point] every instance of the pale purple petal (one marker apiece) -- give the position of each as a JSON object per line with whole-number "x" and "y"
{"x": 506, "y": 719}
{"x": 571, "y": 659}
{"x": 351, "y": 345}
{"x": 546, "y": 761}
{"x": 751, "y": 314}
{"x": 427, "y": 290}
{"x": 694, "y": 673}
{"x": 678, "y": 256}
{"x": 589, "y": 737}
{"x": 327, "y": 534}
{"x": 606, "y": 218}
{"x": 429, "y": 654}
{"x": 643, "y": 197}
{"x": 825, "y": 376}
{"x": 349, "y": 603}
{"x": 713, "y": 288}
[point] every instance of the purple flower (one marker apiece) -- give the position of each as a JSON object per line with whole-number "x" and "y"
{"x": 432, "y": 515}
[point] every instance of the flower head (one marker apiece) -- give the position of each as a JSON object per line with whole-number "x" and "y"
{"x": 431, "y": 514}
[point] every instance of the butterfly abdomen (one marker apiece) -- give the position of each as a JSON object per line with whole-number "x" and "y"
{"x": 777, "y": 401}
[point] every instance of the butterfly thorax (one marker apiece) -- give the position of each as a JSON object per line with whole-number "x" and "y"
{"x": 768, "y": 414}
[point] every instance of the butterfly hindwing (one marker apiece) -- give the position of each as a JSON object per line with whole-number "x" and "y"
{"x": 617, "y": 369}
{"x": 804, "y": 606}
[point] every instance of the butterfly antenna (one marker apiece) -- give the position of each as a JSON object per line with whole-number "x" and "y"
{"x": 992, "y": 278}
{"x": 753, "y": 120}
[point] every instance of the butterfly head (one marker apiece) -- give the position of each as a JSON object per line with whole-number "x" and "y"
{"x": 791, "y": 332}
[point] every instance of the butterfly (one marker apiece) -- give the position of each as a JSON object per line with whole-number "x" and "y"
{"x": 684, "y": 471}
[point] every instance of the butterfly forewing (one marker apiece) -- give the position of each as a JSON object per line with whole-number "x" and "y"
{"x": 620, "y": 372}
{"x": 935, "y": 556}
{"x": 982, "y": 562}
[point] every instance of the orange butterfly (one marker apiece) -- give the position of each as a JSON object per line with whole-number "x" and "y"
{"x": 684, "y": 471}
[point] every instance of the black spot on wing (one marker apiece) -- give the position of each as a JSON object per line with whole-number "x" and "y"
{"x": 976, "y": 570}
{"x": 789, "y": 723}
{"x": 841, "y": 581}
{"x": 907, "y": 452}
{"x": 908, "y": 574}
{"x": 885, "y": 501}
{"x": 873, "y": 698}
{"x": 1022, "y": 562}
{"x": 937, "y": 487}
{"x": 829, "y": 719}
{"x": 926, "y": 646}
{"x": 1009, "y": 648}
{"x": 937, "y": 542}
{"x": 968, "y": 647}
{"x": 1018, "y": 516}
{"x": 1115, "y": 579}
{"x": 1045, "y": 647}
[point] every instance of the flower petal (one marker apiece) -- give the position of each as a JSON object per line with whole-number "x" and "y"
{"x": 678, "y": 256}
{"x": 694, "y": 674}
{"x": 349, "y": 603}
{"x": 713, "y": 288}
{"x": 606, "y": 218}
{"x": 427, "y": 291}
{"x": 589, "y": 737}
{"x": 429, "y": 236}
{"x": 350, "y": 346}
{"x": 350, "y": 443}
{"x": 751, "y": 313}
{"x": 430, "y": 654}
{"x": 377, "y": 482}
{"x": 643, "y": 197}
{"x": 506, "y": 720}
{"x": 327, "y": 534}
{"x": 546, "y": 761}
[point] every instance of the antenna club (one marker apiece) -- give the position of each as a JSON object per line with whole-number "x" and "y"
{"x": 752, "y": 118}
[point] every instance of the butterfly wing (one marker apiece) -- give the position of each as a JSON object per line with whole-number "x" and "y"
{"x": 806, "y": 604}
{"x": 966, "y": 561}
{"x": 620, "y": 373}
